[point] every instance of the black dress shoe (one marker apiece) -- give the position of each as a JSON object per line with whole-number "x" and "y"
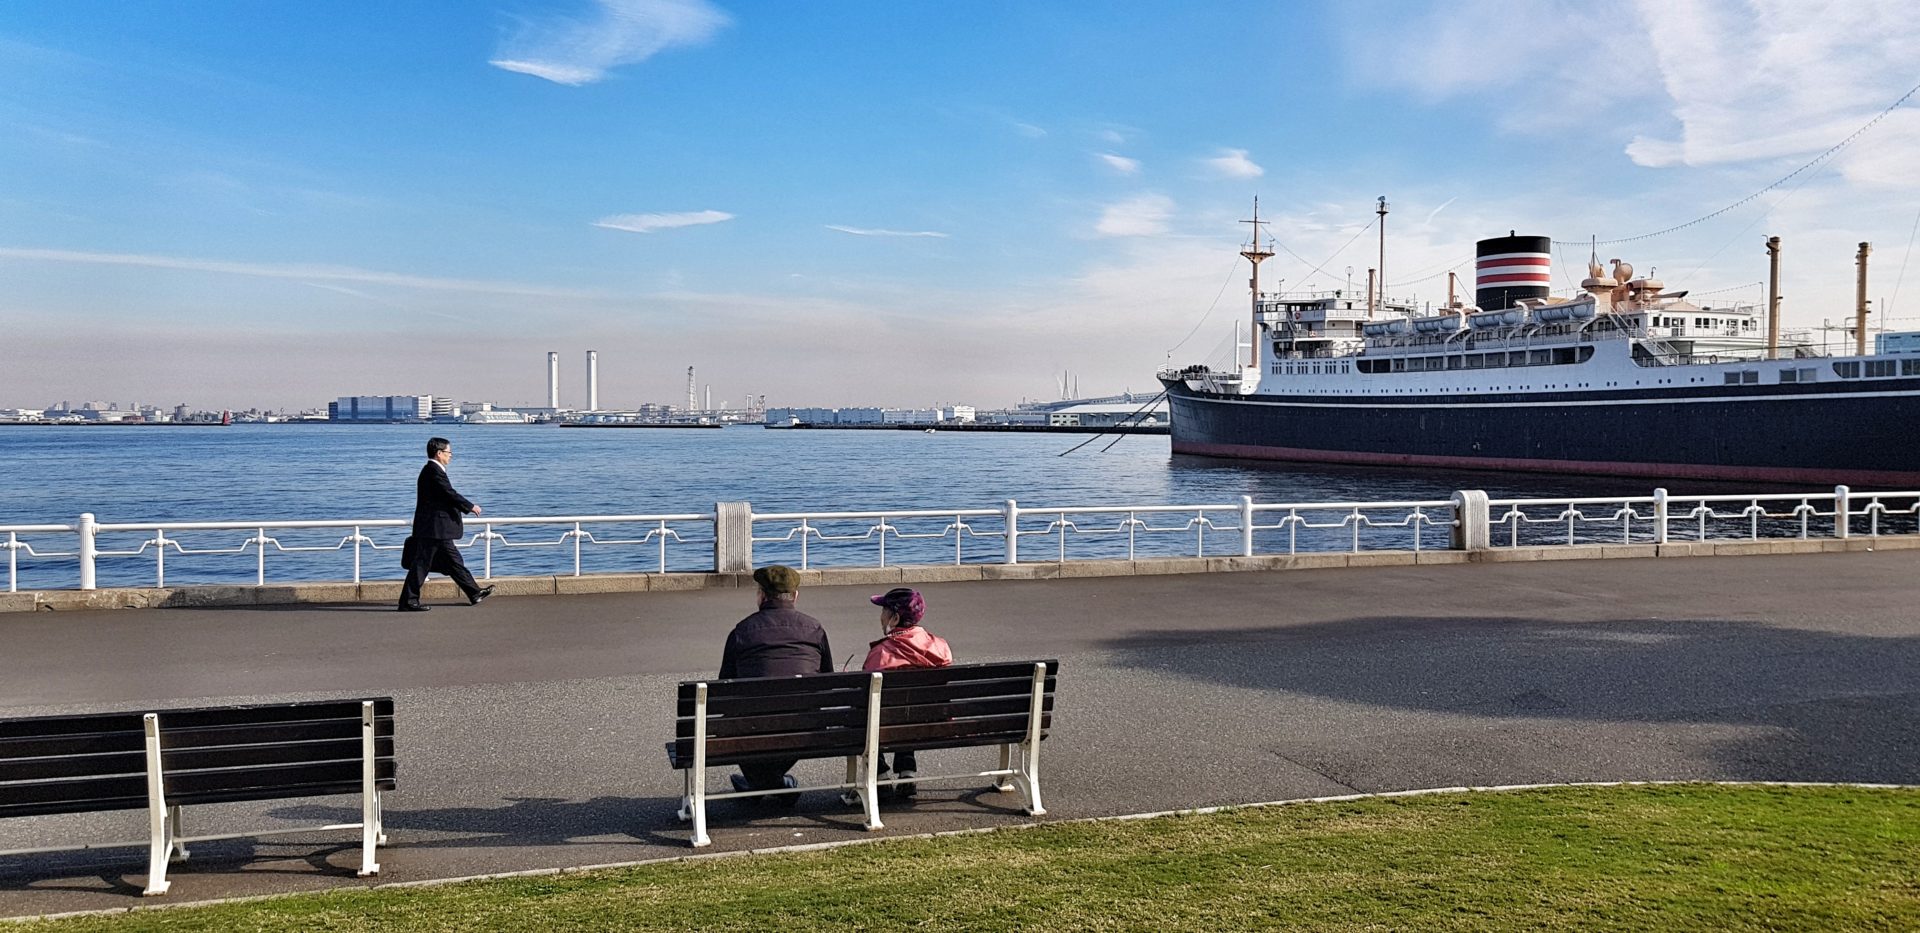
{"x": 416, "y": 607}
{"x": 479, "y": 595}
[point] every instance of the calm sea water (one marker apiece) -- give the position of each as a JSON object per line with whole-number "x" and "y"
{"x": 318, "y": 471}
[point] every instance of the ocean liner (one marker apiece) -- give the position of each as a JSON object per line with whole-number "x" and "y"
{"x": 1623, "y": 378}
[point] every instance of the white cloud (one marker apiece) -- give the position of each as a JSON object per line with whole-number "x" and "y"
{"x": 571, "y": 51}
{"x": 1145, "y": 215}
{"x": 1546, "y": 66}
{"x": 1120, "y": 163}
{"x": 1029, "y": 130}
{"x": 1762, "y": 79}
{"x": 867, "y": 231}
{"x": 1689, "y": 83}
{"x": 647, "y": 223}
{"x": 291, "y": 271}
{"x": 1233, "y": 163}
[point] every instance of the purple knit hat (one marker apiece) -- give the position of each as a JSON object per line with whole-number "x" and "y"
{"x": 904, "y": 603}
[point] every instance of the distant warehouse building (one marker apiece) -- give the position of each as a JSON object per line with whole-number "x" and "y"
{"x": 910, "y": 415}
{"x": 379, "y": 408}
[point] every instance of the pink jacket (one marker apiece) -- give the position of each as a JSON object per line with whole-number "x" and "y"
{"x": 910, "y": 646}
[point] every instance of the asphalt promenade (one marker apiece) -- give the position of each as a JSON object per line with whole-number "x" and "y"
{"x": 530, "y": 728}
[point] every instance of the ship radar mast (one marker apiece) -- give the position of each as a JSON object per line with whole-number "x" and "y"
{"x": 1254, "y": 254}
{"x": 1382, "y": 303}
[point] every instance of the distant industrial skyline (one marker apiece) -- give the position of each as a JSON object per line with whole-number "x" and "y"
{"x": 265, "y": 204}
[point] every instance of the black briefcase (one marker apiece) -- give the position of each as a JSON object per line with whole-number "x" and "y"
{"x": 407, "y": 551}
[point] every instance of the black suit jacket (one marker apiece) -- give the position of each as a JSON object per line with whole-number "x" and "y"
{"x": 436, "y": 506}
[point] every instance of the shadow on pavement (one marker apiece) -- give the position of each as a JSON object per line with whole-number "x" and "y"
{"x": 1821, "y": 706}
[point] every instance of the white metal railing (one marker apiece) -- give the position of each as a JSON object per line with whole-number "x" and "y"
{"x": 806, "y": 530}
{"x": 187, "y": 539}
{"x": 1662, "y": 517}
{"x": 660, "y": 543}
{"x": 1117, "y": 530}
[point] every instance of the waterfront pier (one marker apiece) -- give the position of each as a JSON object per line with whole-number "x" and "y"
{"x": 530, "y": 728}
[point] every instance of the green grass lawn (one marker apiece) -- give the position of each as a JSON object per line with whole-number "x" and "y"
{"x": 1691, "y": 857}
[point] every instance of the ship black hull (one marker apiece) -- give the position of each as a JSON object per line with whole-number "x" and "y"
{"x": 1855, "y": 433}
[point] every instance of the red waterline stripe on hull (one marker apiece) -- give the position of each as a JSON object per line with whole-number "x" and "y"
{"x": 1884, "y": 478}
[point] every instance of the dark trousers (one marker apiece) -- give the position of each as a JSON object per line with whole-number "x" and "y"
{"x": 903, "y": 762}
{"x": 436, "y": 555}
{"x": 767, "y": 775}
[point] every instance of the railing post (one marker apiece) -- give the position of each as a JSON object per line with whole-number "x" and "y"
{"x": 733, "y": 537}
{"x": 1660, "y": 516}
{"x": 486, "y": 561}
{"x": 86, "y": 550}
{"x": 159, "y": 557}
{"x": 1842, "y": 510}
{"x": 1472, "y": 530}
{"x": 260, "y": 564}
{"x": 1246, "y": 526}
{"x": 1012, "y": 512}
{"x": 356, "y": 554}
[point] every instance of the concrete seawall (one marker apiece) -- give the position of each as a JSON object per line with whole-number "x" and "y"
{"x": 388, "y": 591}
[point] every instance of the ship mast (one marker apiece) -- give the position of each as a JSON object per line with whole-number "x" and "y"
{"x": 1255, "y": 254}
{"x": 1382, "y": 266}
{"x": 1860, "y": 302}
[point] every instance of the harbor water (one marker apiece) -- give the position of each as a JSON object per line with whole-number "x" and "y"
{"x": 51, "y": 474}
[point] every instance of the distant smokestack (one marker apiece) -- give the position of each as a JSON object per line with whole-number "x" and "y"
{"x": 709, "y": 396}
{"x": 553, "y": 380}
{"x": 593, "y": 380}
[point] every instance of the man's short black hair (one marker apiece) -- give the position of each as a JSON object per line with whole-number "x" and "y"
{"x": 437, "y": 444}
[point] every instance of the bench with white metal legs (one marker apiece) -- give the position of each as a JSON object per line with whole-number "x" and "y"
{"x": 859, "y": 716}
{"x": 166, "y": 760}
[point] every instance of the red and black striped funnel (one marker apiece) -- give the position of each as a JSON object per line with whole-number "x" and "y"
{"x": 1510, "y": 268}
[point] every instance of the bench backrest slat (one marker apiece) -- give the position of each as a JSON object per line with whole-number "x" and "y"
{"x": 987, "y": 729}
{"x": 75, "y": 764}
{"x": 32, "y": 727}
{"x": 825, "y": 715}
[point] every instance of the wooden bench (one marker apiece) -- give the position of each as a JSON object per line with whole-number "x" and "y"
{"x": 859, "y": 715}
{"x": 169, "y": 759}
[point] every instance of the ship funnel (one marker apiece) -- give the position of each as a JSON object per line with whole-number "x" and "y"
{"x": 1511, "y": 268}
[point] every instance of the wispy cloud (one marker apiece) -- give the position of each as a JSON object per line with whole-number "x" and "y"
{"x": 866, "y": 231}
{"x": 1120, "y": 163}
{"x": 1145, "y": 215}
{"x": 1029, "y": 130}
{"x": 1436, "y": 211}
{"x": 647, "y": 223}
{"x": 310, "y": 273}
{"x": 1762, "y": 79}
{"x": 576, "y": 51}
{"x": 1233, "y": 163}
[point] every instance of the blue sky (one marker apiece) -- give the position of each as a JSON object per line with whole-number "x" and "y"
{"x": 865, "y": 203}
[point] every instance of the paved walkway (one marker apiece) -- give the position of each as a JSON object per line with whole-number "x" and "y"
{"x": 531, "y": 728}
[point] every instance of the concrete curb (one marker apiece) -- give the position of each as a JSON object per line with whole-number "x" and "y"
{"x": 882, "y": 840}
{"x": 388, "y": 591}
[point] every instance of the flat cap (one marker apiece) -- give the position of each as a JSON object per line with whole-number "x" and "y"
{"x": 777, "y": 578}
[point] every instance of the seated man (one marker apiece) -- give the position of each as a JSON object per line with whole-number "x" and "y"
{"x": 777, "y": 641}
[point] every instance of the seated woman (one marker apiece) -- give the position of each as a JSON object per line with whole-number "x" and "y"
{"x": 904, "y": 643}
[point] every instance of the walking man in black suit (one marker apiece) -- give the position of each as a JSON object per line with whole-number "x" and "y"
{"x": 437, "y": 531}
